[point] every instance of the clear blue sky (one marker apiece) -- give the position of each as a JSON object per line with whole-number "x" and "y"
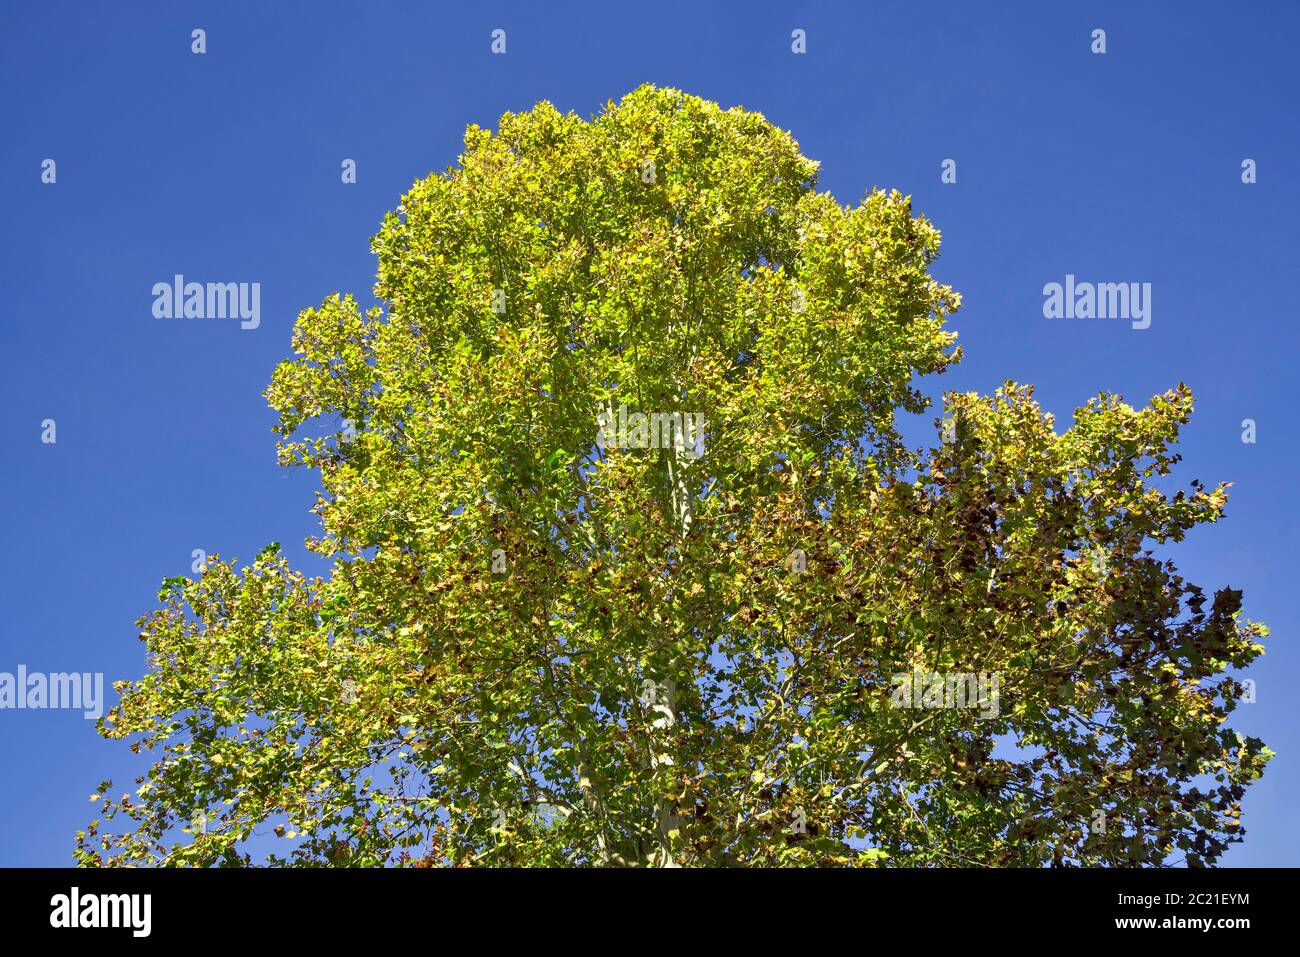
{"x": 225, "y": 167}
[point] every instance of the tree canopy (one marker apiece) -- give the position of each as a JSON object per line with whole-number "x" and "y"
{"x": 544, "y": 640}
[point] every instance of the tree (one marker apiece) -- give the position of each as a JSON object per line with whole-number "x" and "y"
{"x": 630, "y": 565}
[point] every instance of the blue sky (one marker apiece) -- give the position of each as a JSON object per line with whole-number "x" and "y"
{"x": 1122, "y": 167}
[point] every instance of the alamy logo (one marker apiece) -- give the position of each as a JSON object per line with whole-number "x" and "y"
{"x": 935, "y": 689}
{"x": 683, "y": 431}
{"x": 80, "y": 691}
{"x": 103, "y": 910}
{"x": 1103, "y": 300}
{"x": 213, "y": 300}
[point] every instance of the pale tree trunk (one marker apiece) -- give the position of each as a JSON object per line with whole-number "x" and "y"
{"x": 664, "y": 708}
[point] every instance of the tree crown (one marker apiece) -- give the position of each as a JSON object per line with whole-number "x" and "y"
{"x": 631, "y": 566}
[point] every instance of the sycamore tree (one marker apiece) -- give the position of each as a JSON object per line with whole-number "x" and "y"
{"x": 630, "y": 566}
